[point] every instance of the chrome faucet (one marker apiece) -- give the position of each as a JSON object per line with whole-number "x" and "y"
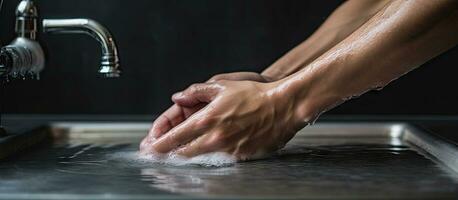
{"x": 25, "y": 55}
{"x": 110, "y": 62}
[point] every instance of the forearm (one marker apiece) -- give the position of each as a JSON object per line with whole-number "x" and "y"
{"x": 400, "y": 37}
{"x": 341, "y": 23}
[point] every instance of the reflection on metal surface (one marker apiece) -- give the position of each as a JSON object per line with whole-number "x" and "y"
{"x": 192, "y": 181}
{"x": 333, "y": 161}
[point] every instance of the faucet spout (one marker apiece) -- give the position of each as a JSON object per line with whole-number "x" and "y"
{"x": 110, "y": 61}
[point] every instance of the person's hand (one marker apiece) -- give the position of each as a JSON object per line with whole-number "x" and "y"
{"x": 178, "y": 113}
{"x": 244, "y": 118}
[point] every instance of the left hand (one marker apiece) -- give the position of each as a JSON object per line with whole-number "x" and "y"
{"x": 244, "y": 118}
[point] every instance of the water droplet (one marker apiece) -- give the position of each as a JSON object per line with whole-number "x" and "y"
{"x": 378, "y": 87}
{"x": 310, "y": 123}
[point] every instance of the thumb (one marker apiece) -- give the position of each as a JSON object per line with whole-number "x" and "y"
{"x": 196, "y": 94}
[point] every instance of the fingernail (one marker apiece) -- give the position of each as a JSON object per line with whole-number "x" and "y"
{"x": 155, "y": 135}
{"x": 177, "y": 95}
{"x": 153, "y": 132}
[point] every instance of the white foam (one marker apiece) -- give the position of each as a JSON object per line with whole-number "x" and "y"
{"x": 216, "y": 159}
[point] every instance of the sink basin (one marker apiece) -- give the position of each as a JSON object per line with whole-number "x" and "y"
{"x": 324, "y": 161}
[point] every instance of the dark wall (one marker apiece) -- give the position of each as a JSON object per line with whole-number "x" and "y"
{"x": 166, "y": 45}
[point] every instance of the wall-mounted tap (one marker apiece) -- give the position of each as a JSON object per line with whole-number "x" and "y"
{"x": 25, "y": 56}
{"x": 109, "y": 66}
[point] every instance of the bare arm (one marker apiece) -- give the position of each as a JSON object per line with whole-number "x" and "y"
{"x": 342, "y": 22}
{"x": 248, "y": 119}
{"x": 399, "y": 38}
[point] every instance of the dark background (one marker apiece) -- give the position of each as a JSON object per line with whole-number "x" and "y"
{"x": 166, "y": 45}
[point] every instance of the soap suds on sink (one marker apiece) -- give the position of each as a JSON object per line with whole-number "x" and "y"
{"x": 216, "y": 159}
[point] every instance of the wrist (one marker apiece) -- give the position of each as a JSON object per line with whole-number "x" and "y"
{"x": 288, "y": 97}
{"x": 308, "y": 94}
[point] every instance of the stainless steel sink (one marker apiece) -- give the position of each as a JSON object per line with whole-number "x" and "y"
{"x": 324, "y": 161}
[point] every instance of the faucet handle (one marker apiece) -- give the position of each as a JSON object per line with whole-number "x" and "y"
{"x": 26, "y": 19}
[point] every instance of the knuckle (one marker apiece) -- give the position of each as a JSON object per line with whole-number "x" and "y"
{"x": 204, "y": 122}
{"x": 192, "y": 87}
{"x": 222, "y": 83}
{"x": 219, "y": 139}
{"x": 196, "y": 87}
{"x": 217, "y": 77}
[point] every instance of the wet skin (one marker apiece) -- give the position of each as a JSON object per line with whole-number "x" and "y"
{"x": 363, "y": 45}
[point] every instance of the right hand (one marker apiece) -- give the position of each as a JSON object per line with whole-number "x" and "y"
{"x": 178, "y": 113}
